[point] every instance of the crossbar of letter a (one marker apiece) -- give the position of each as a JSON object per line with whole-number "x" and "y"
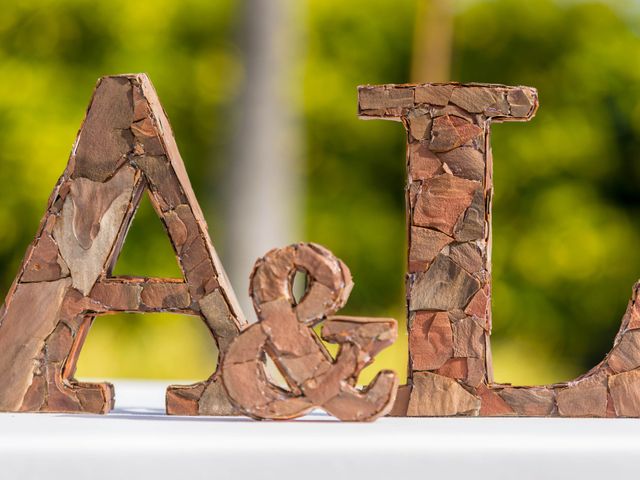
{"x": 449, "y": 194}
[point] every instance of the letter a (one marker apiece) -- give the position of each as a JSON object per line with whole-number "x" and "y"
{"x": 124, "y": 147}
{"x": 449, "y": 194}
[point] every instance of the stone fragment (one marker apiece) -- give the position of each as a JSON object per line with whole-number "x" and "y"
{"x": 117, "y": 296}
{"x": 468, "y": 256}
{"x": 423, "y": 163}
{"x": 437, "y": 396}
{"x": 492, "y": 404}
{"x": 434, "y": 94}
{"x": 218, "y": 316}
{"x": 86, "y": 246}
{"x": 215, "y": 401}
{"x": 632, "y": 315}
{"x": 441, "y": 202}
{"x": 451, "y": 131}
{"x": 445, "y": 286}
{"x": 59, "y": 343}
{"x": 146, "y": 133}
{"x": 419, "y": 124}
{"x": 584, "y": 399}
{"x": 625, "y": 392}
{"x": 184, "y": 400}
{"x": 163, "y": 181}
{"x": 529, "y": 401}
{"x": 425, "y": 244}
{"x": 468, "y": 338}
{"x": 105, "y": 138}
{"x": 625, "y": 355}
{"x": 45, "y": 264}
{"x": 522, "y": 102}
{"x": 165, "y": 295}
{"x": 383, "y": 98}
{"x": 465, "y": 162}
{"x": 454, "y": 368}
{"x": 402, "y": 402}
{"x": 30, "y": 317}
{"x": 476, "y": 372}
{"x": 473, "y": 222}
{"x": 430, "y": 340}
{"x": 473, "y": 99}
{"x": 479, "y": 306}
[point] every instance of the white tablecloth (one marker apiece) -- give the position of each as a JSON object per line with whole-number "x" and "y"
{"x": 139, "y": 441}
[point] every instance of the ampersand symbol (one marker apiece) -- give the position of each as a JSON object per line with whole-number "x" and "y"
{"x": 284, "y": 333}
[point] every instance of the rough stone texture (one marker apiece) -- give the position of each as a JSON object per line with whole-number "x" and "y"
{"x": 625, "y": 392}
{"x": 444, "y": 286}
{"x": 530, "y": 401}
{"x": 449, "y": 191}
{"x": 585, "y": 399}
{"x": 442, "y": 200}
{"x": 423, "y": 163}
{"x": 626, "y": 353}
{"x": 284, "y": 333}
{"x": 450, "y": 131}
{"x": 465, "y": 162}
{"x": 492, "y": 404}
{"x": 124, "y": 147}
{"x": 425, "y": 245}
{"x": 434, "y": 396}
{"x": 430, "y": 340}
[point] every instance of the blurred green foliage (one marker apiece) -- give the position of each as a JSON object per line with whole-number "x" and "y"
{"x": 567, "y": 197}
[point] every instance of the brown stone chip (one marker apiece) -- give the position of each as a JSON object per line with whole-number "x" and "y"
{"x": 423, "y": 163}
{"x": 105, "y": 138}
{"x": 419, "y": 124}
{"x": 473, "y": 222}
{"x": 468, "y": 338}
{"x": 625, "y": 355}
{"x": 430, "y": 340}
{"x": 402, "y": 402}
{"x": 437, "y": 396}
{"x": 530, "y": 401}
{"x": 383, "y": 98}
{"x": 165, "y": 295}
{"x": 465, "y": 162}
{"x": 454, "y": 368}
{"x": 442, "y": 200}
{"x": 584, "y": 399}
{"x": 479, "y": 305}
{"x": 451, "y": 131}
{"x": 479, "y": 99}
{"x": 468, "y": 256}
{"x": 45, "y": 263}
{"x": 625, "y": 392}
{"x": 492, "y": 404}
{"x": 425, "y": 244}
{"x": 445, "y": 286}
{"x": 522, "y": 101}
{"x": 31, "y": 316}
{"x": 117, "y": 296}
{"x": 433, "y": 94}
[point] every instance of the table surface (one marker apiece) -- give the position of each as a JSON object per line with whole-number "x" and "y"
{"x": 138, "y": 441}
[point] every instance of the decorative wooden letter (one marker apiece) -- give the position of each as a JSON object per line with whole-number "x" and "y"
{"x": 449, "y": 194}
{"x": 284, "y": 333}
{"x": 124, "y": 147}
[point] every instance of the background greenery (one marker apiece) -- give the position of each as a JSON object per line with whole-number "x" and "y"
{"x": 566, "y": 226}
